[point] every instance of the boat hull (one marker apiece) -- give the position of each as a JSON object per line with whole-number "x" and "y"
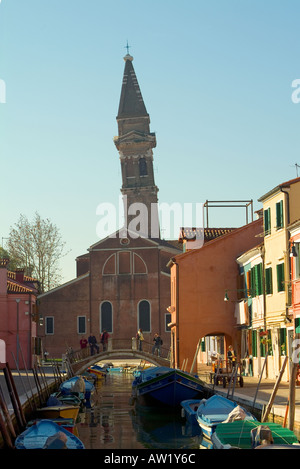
{"x": 54, "y": 412}
{"x": 215, "y": 410}
{"x": 68, "y": 423}
{"x": 189, "y": 409}
{"x": 36, "y": 436}
{"x": 68, "y": 386}
{"x": 238, "y": 435}
{"x": 169, "y": 388}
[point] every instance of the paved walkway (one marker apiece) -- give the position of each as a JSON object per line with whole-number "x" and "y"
{"x": 261, "y": 394}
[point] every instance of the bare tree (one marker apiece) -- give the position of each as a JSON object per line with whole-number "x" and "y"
{"x": 37, "y": 247}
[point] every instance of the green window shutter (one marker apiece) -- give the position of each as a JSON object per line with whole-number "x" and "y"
{"x": 269, "y": 283}
{"x": 267, "y": 221}
{"x": 254, "y": 344}
{"x": 254, "y": 281}
{"x": 257, "y": 283}
{"x": 282, "y": 339}
{"x": 280, "y": 277}
{"x": 279, "y": 214}
{"x": 259, "y": 279}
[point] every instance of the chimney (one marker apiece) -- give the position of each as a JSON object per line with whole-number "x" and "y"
{"x": 3, "y": 276}
{"x": 20, "y": 275}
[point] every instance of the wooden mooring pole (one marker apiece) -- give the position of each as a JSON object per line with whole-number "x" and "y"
{"x": 272, "y": 398}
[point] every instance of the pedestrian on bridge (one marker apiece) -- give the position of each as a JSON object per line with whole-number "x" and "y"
{"x": 93, "y": 344}
{"x": 104, "y": 339}
{"x": 140, "y": 339}
{"x": 157, "y": 343}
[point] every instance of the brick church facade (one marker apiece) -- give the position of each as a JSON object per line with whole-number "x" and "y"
{"x": 123, "y": 282}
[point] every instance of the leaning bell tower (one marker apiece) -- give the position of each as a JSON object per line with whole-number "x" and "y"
{"x": 135, "y": 145}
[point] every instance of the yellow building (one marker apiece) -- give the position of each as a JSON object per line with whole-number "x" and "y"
{"x": 281, "y": 207}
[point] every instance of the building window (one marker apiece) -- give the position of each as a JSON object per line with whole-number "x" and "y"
{"x": 109, "y": 267}
{"x": 267, "y": 221}
{"x": 143, "y": 167}
{"x": 269, "y": 282}
{"x": 139, "y": 265}
{"x": 144, "y": 316}
{"x": 168, "y": 319}
{"x": 256, "y": 280}
{"x": 282, "y": 340}
{"x": 280, "y": 277}
{"x": 106, "y": 317}
{"x": 81, "y": 324}
{"x": 49, "y": 325}
{"x": 279, "y": 215}
{"x": 124, "y": 262}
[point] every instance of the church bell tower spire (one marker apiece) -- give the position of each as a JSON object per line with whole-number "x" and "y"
{"x": 134, "y": 144}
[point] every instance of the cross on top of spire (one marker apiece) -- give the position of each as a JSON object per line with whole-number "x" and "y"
{"x": 128, "y": 56}
{"x": 127, "y": 47}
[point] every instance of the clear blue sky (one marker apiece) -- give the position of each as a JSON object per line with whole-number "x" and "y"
{"x": 216, "y": 79}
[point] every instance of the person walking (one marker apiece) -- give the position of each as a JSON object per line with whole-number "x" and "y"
{"x": 231, "y": 358}
{"x": 157, "y": 343}
{"x": 140, "y": 339}
{"x": 83, "y": 343}
{"x": 104, "y": 339}
{"x": 93, "y": 344}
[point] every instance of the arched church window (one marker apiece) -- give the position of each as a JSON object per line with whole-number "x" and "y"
{"x": 144, "y": 316}
{"x": 106, "y": 317}
{"x": 143, "y": 167}
{"x": 109, "y": 267}
{"x": 139, "y": 266}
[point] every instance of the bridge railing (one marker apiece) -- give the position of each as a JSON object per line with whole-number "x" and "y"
{"x": 131, "y": 344}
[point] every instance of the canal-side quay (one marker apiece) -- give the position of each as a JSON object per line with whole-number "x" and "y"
{"x": 255, "y": 394}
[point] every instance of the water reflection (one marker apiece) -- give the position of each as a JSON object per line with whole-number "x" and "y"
{"x": 114, "y": 423}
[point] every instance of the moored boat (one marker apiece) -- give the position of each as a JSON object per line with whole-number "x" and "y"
{"x": 189, "y": 409}
{"x": 68, "y": 423}
{"x": 167, "y": 386}
{"x": 239, "y": 434}
{"x": 97, "y": 370}
{"x": 37, "y": 437}
{"x": 218, "y": 409}
{"x": 62, "y": 411}
{"x": 57, "y": 398}
{"x": 78, "y": 384}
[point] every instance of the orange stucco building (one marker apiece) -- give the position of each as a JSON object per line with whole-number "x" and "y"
{"x": 199, "y": 279}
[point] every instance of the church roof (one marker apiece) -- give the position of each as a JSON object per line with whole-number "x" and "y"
{"x": 131, "y": 100}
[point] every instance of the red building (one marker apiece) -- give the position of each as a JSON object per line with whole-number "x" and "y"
{"x": 199, "y": 281}
{"x": 18, "y": 342}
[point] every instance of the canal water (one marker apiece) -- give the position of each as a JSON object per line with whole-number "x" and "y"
{"x": 114, "y": 423}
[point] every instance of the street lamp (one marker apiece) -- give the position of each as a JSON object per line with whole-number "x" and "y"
{"x": 293, "y": 252}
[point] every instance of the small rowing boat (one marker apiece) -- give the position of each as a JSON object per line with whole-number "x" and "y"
{"x": 46, "y": 434}
{"x": 62, "y": 411}
{"x": 218, "y": 409}
{"x": 239, "y": 434}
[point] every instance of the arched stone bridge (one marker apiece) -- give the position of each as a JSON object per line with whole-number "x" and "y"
{"x": 117, "y": 349}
